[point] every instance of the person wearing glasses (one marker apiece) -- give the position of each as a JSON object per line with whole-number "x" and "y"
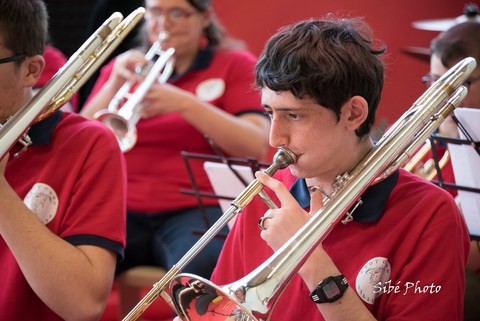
{"x": 451, "y": 46}
{"x": 448, "y": 48}
{"x": 209, "y": 94}
{"x": 62, "y": 198}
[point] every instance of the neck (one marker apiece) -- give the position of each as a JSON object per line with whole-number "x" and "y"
{"x": 183, "y": 62}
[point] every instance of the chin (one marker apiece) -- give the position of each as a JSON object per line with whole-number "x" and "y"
{"x": 297, "y": 172}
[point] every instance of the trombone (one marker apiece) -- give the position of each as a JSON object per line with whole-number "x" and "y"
{"x": 282, "y": 159}
{"x": 63, "y": 85}
{"x": 254, "y": 296}
{"x": 427, "y": 169}
{"x": 122, "y": 119}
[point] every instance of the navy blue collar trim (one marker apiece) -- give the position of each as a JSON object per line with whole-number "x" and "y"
{"x": 202, "y": 61}
{"x": 41, "y": 132}
{"x": 374, "y": 198}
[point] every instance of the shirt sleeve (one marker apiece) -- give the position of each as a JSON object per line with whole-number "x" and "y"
{"x": 93, "y": 201}
{"x": 240, "y": 95}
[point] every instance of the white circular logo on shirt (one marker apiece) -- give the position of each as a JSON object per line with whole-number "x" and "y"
{"x": 43, "y": 201}
{"x": 210, "y": 89}
{"x": 376, "y": 271}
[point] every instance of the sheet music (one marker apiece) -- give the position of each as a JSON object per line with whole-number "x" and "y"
{"x": 225, "y": 183}
{"x": 466, "y": 168}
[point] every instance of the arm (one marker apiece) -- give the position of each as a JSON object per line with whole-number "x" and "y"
{"x": 111, "y": 80}
{"x": 284, "y": 223}
{"x": 243, "y": 136}
{"x": 474, "y": 256}
{"x": 430, "y": 249}
{"x": 65, "y": 277}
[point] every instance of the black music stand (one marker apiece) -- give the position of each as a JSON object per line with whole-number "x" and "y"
{"x": 231, "y": 163}
{"x": 439, "y": 142}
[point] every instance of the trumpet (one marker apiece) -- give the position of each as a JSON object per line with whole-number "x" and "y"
{"x": 63, "y": 85}
{"x": 122, "y": 119}
{"x": 254, "y": 296}
{"x": 282, "y": 158}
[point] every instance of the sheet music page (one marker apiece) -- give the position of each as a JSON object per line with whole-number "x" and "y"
{"x": 466, "y": 168}
{"x": 225, "y": 183}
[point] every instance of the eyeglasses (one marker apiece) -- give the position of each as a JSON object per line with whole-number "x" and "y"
{"x": 428, "y": 80}
{"x": 11, "y": 59}
{"x": 174, "y": 14}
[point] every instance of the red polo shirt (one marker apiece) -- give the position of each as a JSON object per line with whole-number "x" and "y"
{"x": 72, "y": 178}
{"x": 407, "y": 233}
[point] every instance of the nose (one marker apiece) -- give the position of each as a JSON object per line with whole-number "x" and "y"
{"x": 278, "y": 135}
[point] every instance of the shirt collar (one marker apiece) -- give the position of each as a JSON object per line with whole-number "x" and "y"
{"x": 41, "y": 132}
{"x": 374, "y": 198}
{"x": 202, "y": 61}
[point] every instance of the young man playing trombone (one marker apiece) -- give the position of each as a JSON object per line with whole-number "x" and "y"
{"x": 62, "y": 199}
{"x": 401, "y": 253}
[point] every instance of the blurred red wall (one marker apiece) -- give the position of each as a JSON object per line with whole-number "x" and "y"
{"x": 255, "y": 21}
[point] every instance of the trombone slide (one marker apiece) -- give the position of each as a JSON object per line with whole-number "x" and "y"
{"x": 282, "y": 159}
{"x": 76, "y": 71}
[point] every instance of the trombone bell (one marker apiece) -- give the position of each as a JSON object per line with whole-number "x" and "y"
{"x": 199, "y": 299}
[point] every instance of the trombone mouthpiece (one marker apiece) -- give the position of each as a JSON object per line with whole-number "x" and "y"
{"x": 284, "y": 157}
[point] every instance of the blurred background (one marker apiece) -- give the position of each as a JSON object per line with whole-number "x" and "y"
{"x": 255, "y": 21}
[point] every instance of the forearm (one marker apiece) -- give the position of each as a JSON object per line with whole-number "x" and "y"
{"x": 241, "y": 136}
{"x": 349, "y": 307}
{"x": 61, "y": 275}
{"x": 102, "y": 99}
{"x": 474, "y": 256}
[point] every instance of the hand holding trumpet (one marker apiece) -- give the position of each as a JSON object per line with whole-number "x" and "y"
{"x": 126, "y": 68}
{"x": 160, "y": 98}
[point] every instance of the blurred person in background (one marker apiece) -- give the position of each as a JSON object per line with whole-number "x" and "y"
{"x": 209, "y": 96}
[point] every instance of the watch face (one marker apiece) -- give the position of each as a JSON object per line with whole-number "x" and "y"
{"x": 331, "y": 289}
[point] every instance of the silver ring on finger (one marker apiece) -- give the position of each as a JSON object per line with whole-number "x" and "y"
{"x": 261, "y": 222}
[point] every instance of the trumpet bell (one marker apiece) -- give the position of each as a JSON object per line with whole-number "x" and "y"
{"x": 126, "y": 133}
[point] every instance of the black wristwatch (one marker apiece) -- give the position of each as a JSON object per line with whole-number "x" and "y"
{"x": 330, "y": 290}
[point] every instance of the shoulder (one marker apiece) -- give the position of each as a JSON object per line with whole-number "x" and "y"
{"x": 424, "y": 203}
{"x": 77, "y": 128}
{"x": 415, "y": 187}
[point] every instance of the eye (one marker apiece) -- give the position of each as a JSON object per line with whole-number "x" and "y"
{"x": 293, "y": 116}
{"x": 177, "y": 13}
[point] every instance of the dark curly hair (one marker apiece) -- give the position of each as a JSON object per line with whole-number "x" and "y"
{"x": 329, "y": 60}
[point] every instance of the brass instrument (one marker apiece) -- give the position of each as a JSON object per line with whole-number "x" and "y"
{"x": 283, "y": 158}
{"x": 124, "y": 111}
{"x": 426, "y": 169}
{"x": 254, "y": 296}
{"x": 63, "y": 85}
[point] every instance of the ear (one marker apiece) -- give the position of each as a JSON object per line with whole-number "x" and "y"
{"x": 354, "y": 112}
{"x": 32, "y": 69}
